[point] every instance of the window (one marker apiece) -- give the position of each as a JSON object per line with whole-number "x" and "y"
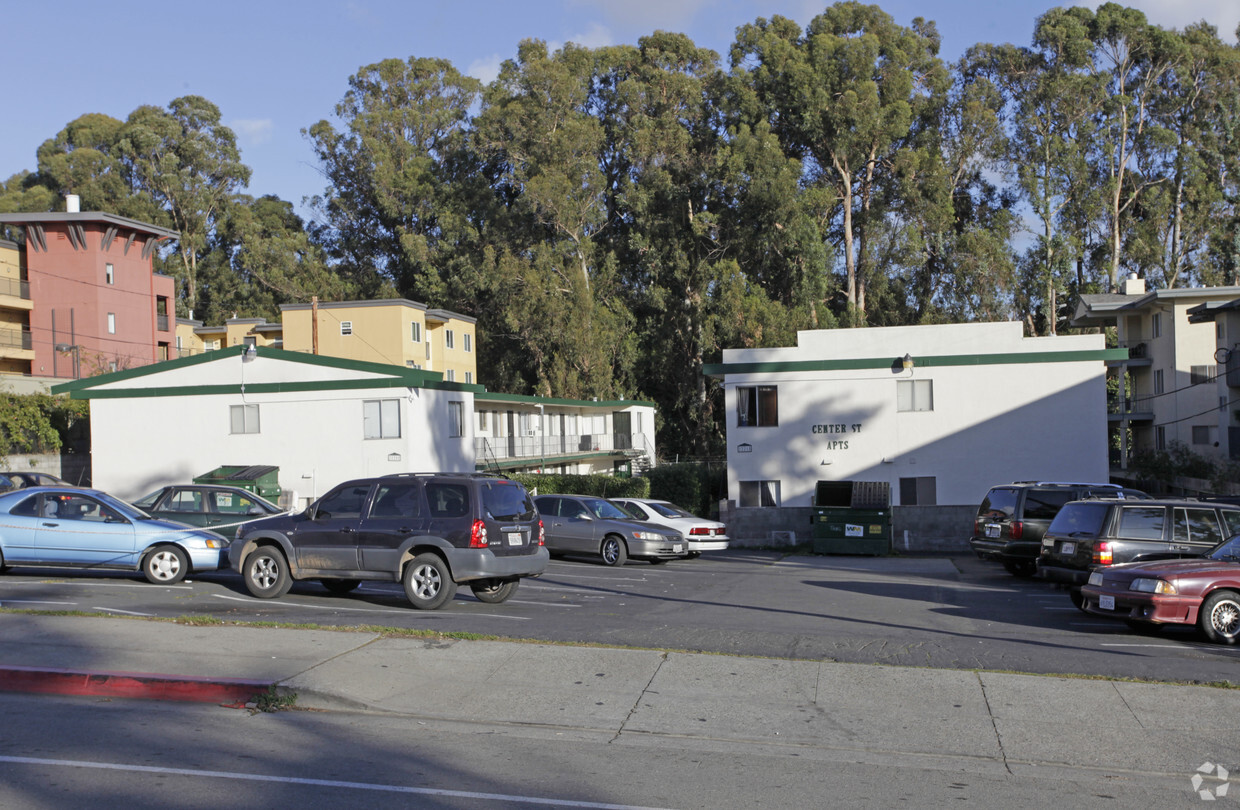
{"x": 469, "y": 378}
{"x": 450, "y": 375}
{"x": 109, "y": 273}
{"x": 1156, "y": 325}
{"x": 396, "y": 501}
{"x": 244, "y": 418}
{"x": 345, "y": 503}
{"x": 1160, "y": 437}
{"x": 759, "y": 493}
{"x": 1201, "y": 434}
{"x": 381, "y": 419}
{"x": 468, "y": 342}
{"x": 449, "y": 338}
{"x": 346, "y": 328}
{"x": 111, "y": 323}
{"x": 412, "y": 364}
{"x": 914, "y": 395}
{"x": 1197, "y": 526}
{"x": 1158, "y": 381}
{"x": 757, "y": 406}
{"x": 456, "y": 419}
{"x": 1141, "y": 523}
{"x": 918, "y": 491}
{"x": 483, "y": 421}
{"x": 448, "y": 500}
{"x": 1200, "y": 374}
{"x": 415, "y": 332}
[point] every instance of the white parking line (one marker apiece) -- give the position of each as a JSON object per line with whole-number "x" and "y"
{"x": 118, "y": 610}
{"x": 542, "y": 604}
{"x": 322, "y": 783}
{"x": 1157, "y": 646}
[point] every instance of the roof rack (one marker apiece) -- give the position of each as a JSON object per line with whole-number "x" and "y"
{"x": 1070, "y": 484}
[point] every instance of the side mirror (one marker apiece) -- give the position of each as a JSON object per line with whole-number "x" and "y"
{"x": 256, "y": 510}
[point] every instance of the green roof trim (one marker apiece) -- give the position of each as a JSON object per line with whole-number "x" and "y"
{"x": 855, "y": 364}
{"x": 392, "y": 377}
{"x": 489, "y": 396}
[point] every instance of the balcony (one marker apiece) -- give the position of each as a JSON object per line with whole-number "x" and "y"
{"x": 537, "y": 448}
{"x": 15, "y": 294}
{"x": 1134, "y": 408}
{"x": 1138, "y": 353}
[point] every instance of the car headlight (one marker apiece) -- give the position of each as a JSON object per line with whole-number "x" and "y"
{"x": 1151, "y": 585}
{"x": 1096, "y": 578}
{"x": 648, "y": 536}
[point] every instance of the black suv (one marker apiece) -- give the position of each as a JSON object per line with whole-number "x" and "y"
{"x": 429, "y": 531}
{"x": 1013, "y": 517}
{"x": 1088, "y": 534}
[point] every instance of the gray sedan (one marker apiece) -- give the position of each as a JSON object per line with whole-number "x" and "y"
{"x": 581, "y": 524}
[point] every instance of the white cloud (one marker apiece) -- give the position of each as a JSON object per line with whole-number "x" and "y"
{"x": 252, "y": 131}
{"x": 596, "y": 36}
{"x": 647, "y": 15}
{"x": 486, "y": 69}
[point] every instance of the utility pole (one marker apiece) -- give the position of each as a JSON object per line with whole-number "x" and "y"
{"x": 314, "y": 323}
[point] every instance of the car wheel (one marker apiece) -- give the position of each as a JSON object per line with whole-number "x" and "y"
{"x": 494, "y": 591}
{"x": 340, "y": 586}
{"x": 613, "y": 550}
{"x": 266, "y": 573}
{"x": 1021, "y": 568}
{"x": 165, "y": 565}
{"x": 1077, "y": 599}
{"x": 428, "y": 582}
{"x": 3, "y": 567}
{"x": 1220, "y": 617}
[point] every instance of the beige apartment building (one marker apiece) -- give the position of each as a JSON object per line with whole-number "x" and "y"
{"x": 1167, "y": 390}
{"x": 394, "y": 331}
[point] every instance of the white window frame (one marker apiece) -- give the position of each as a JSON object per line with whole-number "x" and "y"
{"x": 456, "y": 419}
{"x": 111, "y": 323}
{"x": 914, "y": 395}
{"x": 759, "y": 398}
{"x": 469, "y": 378}
{"x": 109, "y": 273}
{"x": 1156, "y": 325}
{"x": 449, "y": 339}
{"x": 469, "y": 344}
{"x": 415, "y": 331}
{"x": 1159, "y": 386}
{"x": 346, "y": 328}
{"x": 380, "y": 419}
{"x": 243, "y": 419}
{"x": 450, "y": 375}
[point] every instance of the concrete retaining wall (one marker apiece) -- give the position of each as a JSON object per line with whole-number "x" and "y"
{"x": 915, "y": 529}
{"x": 73, "y": 467}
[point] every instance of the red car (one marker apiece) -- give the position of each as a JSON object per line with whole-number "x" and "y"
{"x": 1204, "y": 591}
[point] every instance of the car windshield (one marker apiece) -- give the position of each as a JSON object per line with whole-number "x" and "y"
{"x": 507, "y": 500}
{"x": 148, "y": 500}
{"x": 634, "y": 510}
{"x": 1228, "y": 550}
{"x": 1079, "y": 518}
{"x": 670, "y": 510}
{"x": 605, "y": 509}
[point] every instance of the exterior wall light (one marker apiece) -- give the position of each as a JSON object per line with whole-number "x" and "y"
{"x": 907, "y": 362}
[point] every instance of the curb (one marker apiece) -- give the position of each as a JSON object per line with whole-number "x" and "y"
{"x": 137, "y": 685}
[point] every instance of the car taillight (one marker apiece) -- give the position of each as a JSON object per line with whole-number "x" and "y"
{"x": 1017, "y": 529}
{"x": 1103, "y": 554}
{"x": 478, "y": 535}
{"x": 977, "y": 525}
{"x": 542, "y": 534}
{"x": 700, "y": 531}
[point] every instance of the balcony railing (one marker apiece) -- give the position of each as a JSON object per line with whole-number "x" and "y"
{"x": 1142, "y": 405}
{"x": 503, "y": 448}
{"x": 15, "y": 288}
{"x": 14, "y": 339}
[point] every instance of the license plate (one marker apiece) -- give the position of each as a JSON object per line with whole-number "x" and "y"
{"x": 1067, "y": 548}
{"x": 678, "y": 548}
{"x": 992, "y": 530}
{"x": 1106, "y": 602}
{"x": 513, "y": 538}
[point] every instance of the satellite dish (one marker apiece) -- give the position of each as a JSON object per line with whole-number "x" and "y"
{"x": 1221, "y": 356}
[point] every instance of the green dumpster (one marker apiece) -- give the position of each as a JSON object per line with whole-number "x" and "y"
{"x": 262, "y": 480}
{"x": 852, "y": 517}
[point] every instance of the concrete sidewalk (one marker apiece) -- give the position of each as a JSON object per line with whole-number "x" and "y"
{"x": 983, "y": 722}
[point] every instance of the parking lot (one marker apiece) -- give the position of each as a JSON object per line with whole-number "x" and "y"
{"x": 935, "y": 611}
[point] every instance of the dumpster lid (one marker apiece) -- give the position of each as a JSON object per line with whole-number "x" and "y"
{"x": 241, "y": 473}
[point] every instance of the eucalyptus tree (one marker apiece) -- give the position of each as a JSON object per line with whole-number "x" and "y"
{"x": 844, "y": 97}
{"x": 189, "y": 163}
{"x": 392, "y": 214}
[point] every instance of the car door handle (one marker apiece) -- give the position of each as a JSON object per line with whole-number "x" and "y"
{"x": 346, "y": 529}
{"x": 51, "y": 525}
{"x": 405, "y": 530}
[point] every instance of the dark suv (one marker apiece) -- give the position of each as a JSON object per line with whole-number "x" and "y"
{"x": 1088, "y": 534}
{"x": 429, "y": 531}
{"x": 1013, "y": 517}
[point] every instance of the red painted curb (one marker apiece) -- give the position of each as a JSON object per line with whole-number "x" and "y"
{"x": 140, "y": 685}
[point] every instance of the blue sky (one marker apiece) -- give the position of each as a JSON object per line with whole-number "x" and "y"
{"x": 275, "y": 67}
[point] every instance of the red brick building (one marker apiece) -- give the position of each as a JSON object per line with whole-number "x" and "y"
{"x": 86, "y": 298}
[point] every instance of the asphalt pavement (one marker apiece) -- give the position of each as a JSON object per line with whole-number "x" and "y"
{"x": 976, "y": 721}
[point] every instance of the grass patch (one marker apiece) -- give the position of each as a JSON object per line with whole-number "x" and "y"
{"x": 275, "y": 699}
